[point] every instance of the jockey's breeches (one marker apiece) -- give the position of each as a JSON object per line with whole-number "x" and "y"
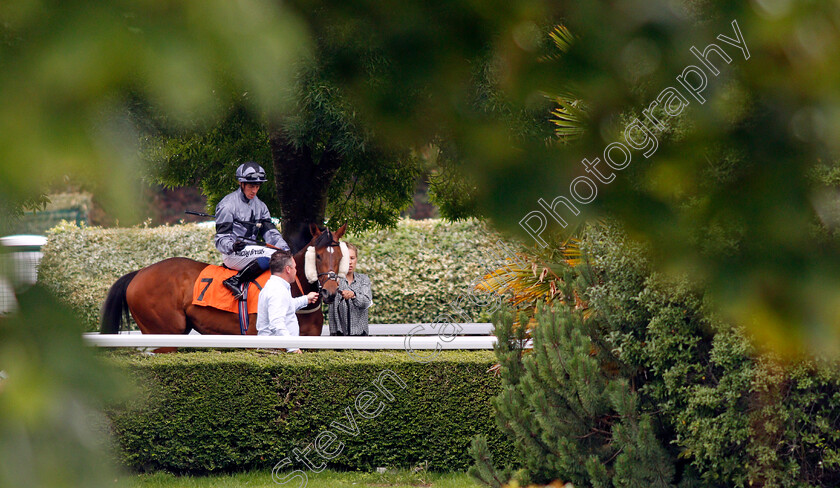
{"x": 240, "y": 259}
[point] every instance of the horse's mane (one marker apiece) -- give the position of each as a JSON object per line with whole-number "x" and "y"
{"x": 325, "y": 239}
{"x": 302, "y": 237}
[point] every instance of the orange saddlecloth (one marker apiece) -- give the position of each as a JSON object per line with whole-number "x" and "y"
{"x": 209, "y": 291}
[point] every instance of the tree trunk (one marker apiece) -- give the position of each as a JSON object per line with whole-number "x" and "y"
{"x": 302, "y": 183}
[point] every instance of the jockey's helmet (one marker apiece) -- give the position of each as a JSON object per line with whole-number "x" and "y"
{"x": 250, "y": 172}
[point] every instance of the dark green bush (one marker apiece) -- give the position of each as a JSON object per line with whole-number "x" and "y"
{"x": 568, "y": 416}
{"x": 214, "y": 411}
{"x": 704, "y": 399}
{"x": 733, "y": 415}
{"x": 417, "y": 269}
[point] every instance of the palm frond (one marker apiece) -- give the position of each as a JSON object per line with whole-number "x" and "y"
{"x": 569, "y": 118}
{"x": 526, "y": 286}
{"x": 562, "y": 37}
{"x": 572, "y": 253}
{"x": 528, "y": 281}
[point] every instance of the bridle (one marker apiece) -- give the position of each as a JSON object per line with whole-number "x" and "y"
{"x": 318, "y": 280}
{"x": 331, "y": 275}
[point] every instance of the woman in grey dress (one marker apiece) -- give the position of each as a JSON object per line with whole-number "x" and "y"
{"x": 348, "y": 315}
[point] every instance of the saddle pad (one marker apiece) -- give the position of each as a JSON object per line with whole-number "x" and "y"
{"x": 209, "y": 291}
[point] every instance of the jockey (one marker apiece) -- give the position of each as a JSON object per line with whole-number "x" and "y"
{"x": 239, "y": 216}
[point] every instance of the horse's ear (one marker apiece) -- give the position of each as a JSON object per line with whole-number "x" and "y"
{"x": 314, "y": 230}
{"x": 340, "y": 232}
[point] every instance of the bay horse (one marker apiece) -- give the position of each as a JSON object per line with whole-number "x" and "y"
{"x": 160, "y": 296}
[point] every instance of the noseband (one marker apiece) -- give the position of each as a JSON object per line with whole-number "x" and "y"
{"x": 331, "y": 276}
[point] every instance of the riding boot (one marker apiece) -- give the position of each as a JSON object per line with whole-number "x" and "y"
{"x": 250, "y": 272}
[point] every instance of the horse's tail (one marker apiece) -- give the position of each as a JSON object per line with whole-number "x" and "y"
{"x": 115, "y": 308}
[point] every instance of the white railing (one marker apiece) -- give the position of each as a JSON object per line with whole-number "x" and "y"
{"x": 301, "y": 342}
{"x": 382, "y": 336}
{"x": 481, "y": 328}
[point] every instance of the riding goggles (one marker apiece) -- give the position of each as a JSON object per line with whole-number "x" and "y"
{"x": 254, "y": 176}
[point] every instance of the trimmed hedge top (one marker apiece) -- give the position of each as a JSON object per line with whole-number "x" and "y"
{"x": 317, "y": 359}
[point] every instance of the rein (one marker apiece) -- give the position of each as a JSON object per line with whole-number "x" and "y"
{"x": 312, "y": 277}
{"x": 331, "y": 275}
{"x": 315, "y": 306}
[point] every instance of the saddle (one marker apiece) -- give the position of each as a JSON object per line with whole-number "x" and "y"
{"x": 208, "y": 290}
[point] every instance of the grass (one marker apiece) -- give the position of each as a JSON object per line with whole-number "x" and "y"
{"x": 325, "y": 479}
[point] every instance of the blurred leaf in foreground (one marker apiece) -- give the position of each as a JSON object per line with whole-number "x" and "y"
{"x": 51, "y": 432}
{"x": 706, "y": 121}
{"x": 69, "y": 72}
{"x": 70, "y": 69}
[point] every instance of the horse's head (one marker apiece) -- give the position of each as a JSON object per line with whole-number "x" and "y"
{"x": 326, "y": 260}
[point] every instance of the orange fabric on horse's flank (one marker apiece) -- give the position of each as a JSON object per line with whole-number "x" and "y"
{"x": 209, "y": 291}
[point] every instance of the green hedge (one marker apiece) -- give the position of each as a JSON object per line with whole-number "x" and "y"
{"x": 219, "y": 411}
{"x": 417, "y": 269}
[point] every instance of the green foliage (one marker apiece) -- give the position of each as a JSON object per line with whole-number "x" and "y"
{"x": 81, "y": 263}
{"x": 375, "y": 180}
{"x": 793, "y": 424}
{"x": 410, "y": 72}
{"x": 370, "y": 191}
{"x": 12, "y": 213}
{"x": 664, "y": 342}
{"x": 366, "y": 101}
{"x": 70, "y": 70}
{"x": 728, "y": 201}
{"x": 485, "y": 468}
{"x": 700, "y": 405}
{"x": 418, "y": 270}
{"x": 55, "y": 208}
{"x": 452, "y": 192}
{"x": 370, "y": 188}
{"x": 211, "y": 411}
{"x": 67, "y": 69}
{"x": 51, "y": 388}
{"x": 568, "y": 416}
{"x": 728, "y": 196}
{"x": 183, "y": 158}
{"x": 729, "y": 410}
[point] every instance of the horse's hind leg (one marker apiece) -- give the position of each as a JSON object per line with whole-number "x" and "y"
{"x": 146, "y": 330}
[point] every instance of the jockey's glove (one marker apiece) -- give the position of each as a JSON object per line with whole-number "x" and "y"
{"x": 239, "y": 245}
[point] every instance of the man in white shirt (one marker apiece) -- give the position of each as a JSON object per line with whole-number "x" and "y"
{"x": 276, "y": 309}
